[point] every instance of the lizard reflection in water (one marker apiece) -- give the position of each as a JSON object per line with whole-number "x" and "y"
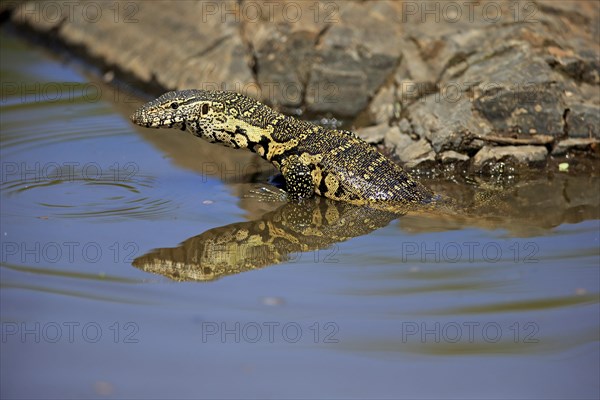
{"x": 279, "y": 236}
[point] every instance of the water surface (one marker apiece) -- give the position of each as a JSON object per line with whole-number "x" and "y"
{"x": 266, "y": 300}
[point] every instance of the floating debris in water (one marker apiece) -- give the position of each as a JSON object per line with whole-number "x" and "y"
{"x": 103, "y": 388}
{"x": 272, "y": 301}
{"x": 108, "y": 76}
{"x": 563, "y": 167}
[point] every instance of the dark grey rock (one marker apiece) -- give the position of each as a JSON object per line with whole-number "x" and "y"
{"x": 583, "y": 121}
{"x": 355, "y": 57}
{"x": 518, "y": 93}
{"x": 283, "y": 51}
{"x": 531, "y": 109}
{"x": 584, "y": 69}
{"x": 445, "y": 123}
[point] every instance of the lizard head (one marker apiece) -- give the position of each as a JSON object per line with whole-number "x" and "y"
{"x": 228, "y": 118}
{"x": 184, "y": 109}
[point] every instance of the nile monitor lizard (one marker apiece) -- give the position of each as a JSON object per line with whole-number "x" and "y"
{"x": 312, "y": 159}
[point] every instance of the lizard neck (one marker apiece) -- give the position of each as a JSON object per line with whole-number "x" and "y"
{"x": 259, "y": 129}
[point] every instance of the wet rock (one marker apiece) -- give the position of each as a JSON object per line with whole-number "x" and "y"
{"x": 564, "y": 146}
{"x": 519, "y": 154}
{"x": 583, "y": 121}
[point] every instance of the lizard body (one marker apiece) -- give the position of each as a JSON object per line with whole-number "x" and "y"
{"x": 312, "y": 159}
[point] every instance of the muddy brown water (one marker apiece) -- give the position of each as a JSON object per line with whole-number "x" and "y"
{"x": 133, "y": 264}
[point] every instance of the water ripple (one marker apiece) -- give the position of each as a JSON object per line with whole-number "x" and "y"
{"x": 75, "y": 195}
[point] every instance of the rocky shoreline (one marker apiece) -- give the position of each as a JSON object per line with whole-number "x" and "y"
{"x": 435, "y": 83}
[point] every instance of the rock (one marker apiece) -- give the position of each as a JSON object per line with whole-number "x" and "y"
{"x": 451, "y": 156}
{"x": 405, "y": 126}
{"x": 541, "y": 112}
{"x": 383, "y": 107}
{"x": 415, "y": 153}
{"x": 445, "y": 123}
{"x": 355, "y": 57}
{"x": 159, "y": 45}
{"x": 396, "y": 139}
{"x": 229, "y": 59}
{"x": 583, "y": 69}
{"x": 583, "y": 121}
{"x": 410, "y": 152}
{"x": 520, "y": 154}
{"x": 450, "y": 72}
{"x": 517, "y": 93}
{"x": 412, "y": 80}
{"x": 284, "y": 49}
{"x": 503, "y": 65}
{"x": 564, "y": 146}
{"x": 375, "y": 134}
{"x": 413, "y": 74}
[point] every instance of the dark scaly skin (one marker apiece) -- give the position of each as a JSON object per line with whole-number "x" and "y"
{"x": 312, "y": 159}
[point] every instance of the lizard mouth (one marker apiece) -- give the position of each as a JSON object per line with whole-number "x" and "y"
{"x": 136, "y": 118}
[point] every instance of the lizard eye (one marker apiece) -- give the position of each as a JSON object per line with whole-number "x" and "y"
{"x": 174, "y": 106}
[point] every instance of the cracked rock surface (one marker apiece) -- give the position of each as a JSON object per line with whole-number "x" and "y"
{"x": 473, "y": 82}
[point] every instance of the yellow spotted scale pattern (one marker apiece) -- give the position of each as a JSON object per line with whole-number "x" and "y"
{"x": 312, "y": 159}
